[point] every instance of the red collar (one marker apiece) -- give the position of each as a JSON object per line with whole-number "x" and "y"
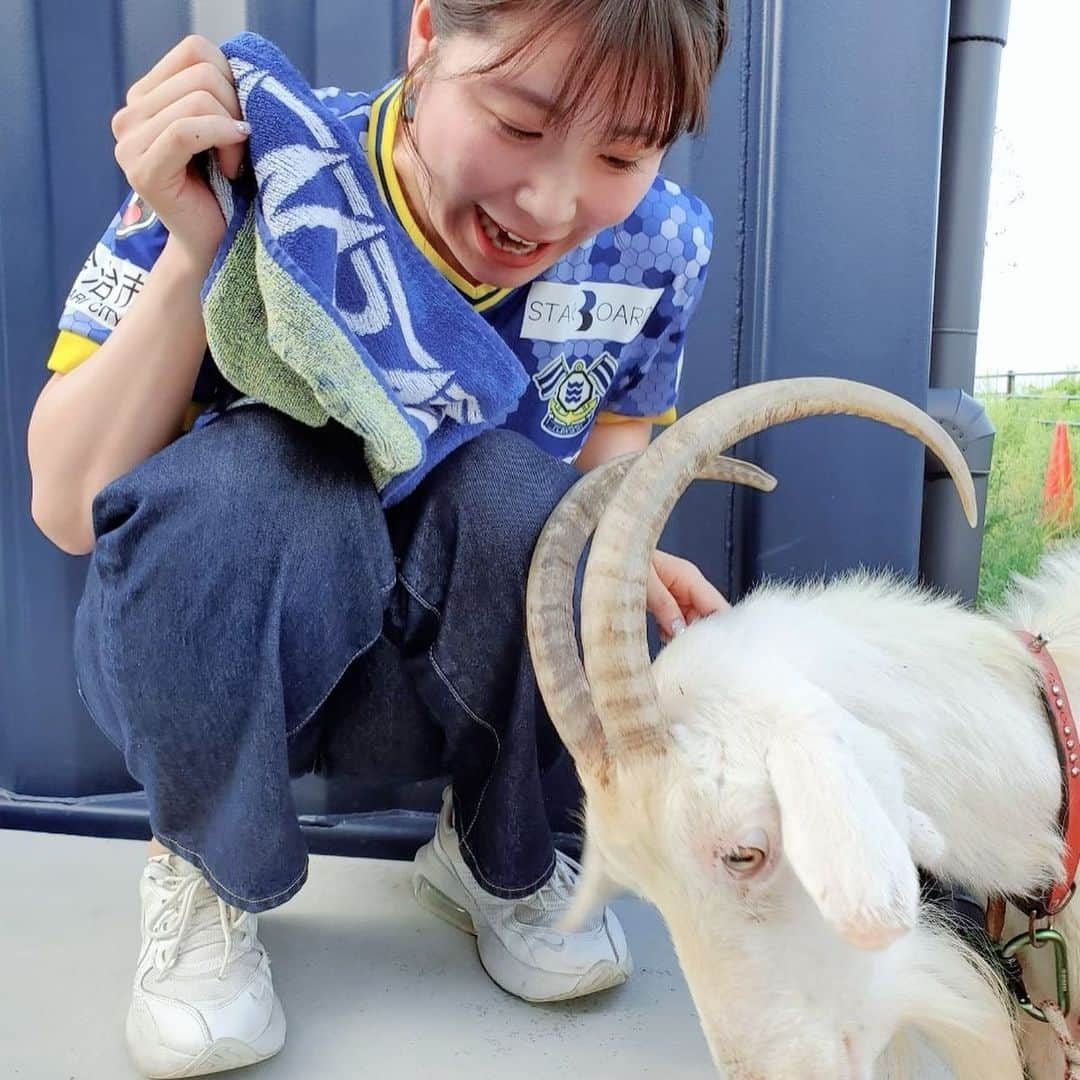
{"x": 1053, "y": 899}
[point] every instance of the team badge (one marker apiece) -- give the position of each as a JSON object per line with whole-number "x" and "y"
{"x": 573, "y": 391}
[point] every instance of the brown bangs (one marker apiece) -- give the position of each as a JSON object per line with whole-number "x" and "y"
{"x": 640, "y": 71}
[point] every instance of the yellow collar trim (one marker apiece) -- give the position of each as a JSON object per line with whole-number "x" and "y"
{"x": 382, "y": 128}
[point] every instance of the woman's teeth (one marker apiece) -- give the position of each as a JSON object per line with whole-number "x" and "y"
{"x": 502, "y": 238}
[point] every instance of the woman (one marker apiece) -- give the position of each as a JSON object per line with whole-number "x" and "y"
{"x": 243, "y": 569}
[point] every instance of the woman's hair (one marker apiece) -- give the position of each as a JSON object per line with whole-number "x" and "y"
{"x": 657, "y": 57}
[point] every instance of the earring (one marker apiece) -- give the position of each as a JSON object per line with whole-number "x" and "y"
{"x": 408, "y": 105}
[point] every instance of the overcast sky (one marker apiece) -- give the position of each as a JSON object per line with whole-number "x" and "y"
{"x": 1031, "y": 278}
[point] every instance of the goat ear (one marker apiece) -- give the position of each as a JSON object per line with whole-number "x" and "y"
{"x": 845, "y": 849}
{"x": 593, "y": 890}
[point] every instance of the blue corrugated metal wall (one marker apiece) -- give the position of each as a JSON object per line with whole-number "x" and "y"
{"x": 820, "y": 166}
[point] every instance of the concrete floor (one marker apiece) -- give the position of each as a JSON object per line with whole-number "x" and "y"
{"x": 373, "y": 986}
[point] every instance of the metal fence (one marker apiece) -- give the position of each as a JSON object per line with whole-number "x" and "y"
{"x": 1027, "y": 384}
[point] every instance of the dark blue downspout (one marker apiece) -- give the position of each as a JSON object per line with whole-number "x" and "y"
{"x": 950, "y": 550}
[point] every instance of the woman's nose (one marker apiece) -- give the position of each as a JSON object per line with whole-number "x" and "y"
{"x": 550, "y": 201}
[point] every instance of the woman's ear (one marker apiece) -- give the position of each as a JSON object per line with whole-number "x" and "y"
{"x": 421, "y": 32}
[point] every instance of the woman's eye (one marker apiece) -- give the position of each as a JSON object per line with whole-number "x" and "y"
{"x": 517, "y": 133}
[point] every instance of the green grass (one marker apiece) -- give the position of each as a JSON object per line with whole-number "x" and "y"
{"x": 1015, "y": 535}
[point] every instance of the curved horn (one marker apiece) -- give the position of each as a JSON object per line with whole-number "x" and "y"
{"x": 549, "y": 605}
{"x": 612, "y": 616}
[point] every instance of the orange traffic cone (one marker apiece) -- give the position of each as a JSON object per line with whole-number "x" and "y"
{"x": 1058, "y": 486}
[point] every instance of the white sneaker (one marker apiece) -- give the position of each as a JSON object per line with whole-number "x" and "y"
{"x": 203, "y": 1000}
{"x": 518, "y": 942}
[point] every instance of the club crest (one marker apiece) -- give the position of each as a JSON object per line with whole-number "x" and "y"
{"x": 573, "y": 391}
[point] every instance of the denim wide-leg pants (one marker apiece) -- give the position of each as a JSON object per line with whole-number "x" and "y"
{"x": 242, "y": 571}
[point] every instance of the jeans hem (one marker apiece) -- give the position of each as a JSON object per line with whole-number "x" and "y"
{"x": 263, "y": 903}
{"x": 502, "y": 892}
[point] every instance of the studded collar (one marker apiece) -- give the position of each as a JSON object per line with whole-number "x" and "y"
{"x": 1056, "y": 701}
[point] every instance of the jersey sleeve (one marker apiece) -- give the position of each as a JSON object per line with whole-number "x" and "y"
{"x": 648, "y": 388}
{"x": 116, "y": 270}
{"x": 112, "y": 276}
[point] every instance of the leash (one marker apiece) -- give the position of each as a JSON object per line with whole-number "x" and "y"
{"x": 1069, "y": 1046}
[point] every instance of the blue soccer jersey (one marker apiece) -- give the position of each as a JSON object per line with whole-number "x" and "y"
{"x": 600, "y": 333}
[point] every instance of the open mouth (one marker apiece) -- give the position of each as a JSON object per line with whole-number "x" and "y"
{"x": 502, "y": 238}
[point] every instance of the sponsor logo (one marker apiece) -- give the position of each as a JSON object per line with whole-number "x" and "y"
{"x": 591, "y": 311}
{"x": 105, "y": 287}
{"x": 135, "y": 217}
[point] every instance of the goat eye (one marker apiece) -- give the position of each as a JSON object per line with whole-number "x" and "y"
{"x": 744, "y": 860}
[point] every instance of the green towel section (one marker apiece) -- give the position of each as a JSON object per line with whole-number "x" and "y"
{"x": 272, "y": 340}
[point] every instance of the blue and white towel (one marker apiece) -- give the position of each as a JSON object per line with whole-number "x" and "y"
{"x": 320, "y": 305}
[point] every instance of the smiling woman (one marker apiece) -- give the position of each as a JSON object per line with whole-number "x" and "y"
{"x": 520, "y": 154}
{"x": 534, "y": 126}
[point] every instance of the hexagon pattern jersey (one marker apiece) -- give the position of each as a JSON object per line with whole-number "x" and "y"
{"x": 600, "y": 333}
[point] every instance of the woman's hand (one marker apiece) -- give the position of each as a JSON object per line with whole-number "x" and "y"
{"x": 185, "y": 104}
{"x": 678, "y": 594}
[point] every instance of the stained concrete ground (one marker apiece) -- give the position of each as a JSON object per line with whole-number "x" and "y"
{"x": 373, "y": 986}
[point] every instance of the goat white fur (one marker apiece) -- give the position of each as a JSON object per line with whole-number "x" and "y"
{"x": 850, "y": 724}
{"x": 816, "y": 744}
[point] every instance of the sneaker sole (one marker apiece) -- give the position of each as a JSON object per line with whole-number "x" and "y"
{"x": 521, "y": 981}
{"x": 161, "y": 1063}
{"x": 504, "y": 969}
{"x": 433, "y": 899}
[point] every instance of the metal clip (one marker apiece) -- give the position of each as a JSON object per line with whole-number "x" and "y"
{"x": 1033, "y": 934}
{"x": 1036, "y": 939}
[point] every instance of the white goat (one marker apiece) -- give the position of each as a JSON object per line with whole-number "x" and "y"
{"x": 772, "y": 782}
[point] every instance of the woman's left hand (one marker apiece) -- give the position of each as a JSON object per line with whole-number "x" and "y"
{"x": 678, "y": 594}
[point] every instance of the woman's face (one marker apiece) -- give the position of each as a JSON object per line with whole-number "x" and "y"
{"x": 493, "y": 167}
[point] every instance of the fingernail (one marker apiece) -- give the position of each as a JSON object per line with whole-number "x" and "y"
{"x": 677, "y": 627}
{"x": 243, "y": 127}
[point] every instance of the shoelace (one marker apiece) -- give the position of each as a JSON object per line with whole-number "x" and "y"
{"x": 555, "y": 896}
{"x": 183, "y": 902}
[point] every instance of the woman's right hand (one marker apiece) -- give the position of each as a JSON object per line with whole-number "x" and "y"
{"x": 185, "y": 104}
